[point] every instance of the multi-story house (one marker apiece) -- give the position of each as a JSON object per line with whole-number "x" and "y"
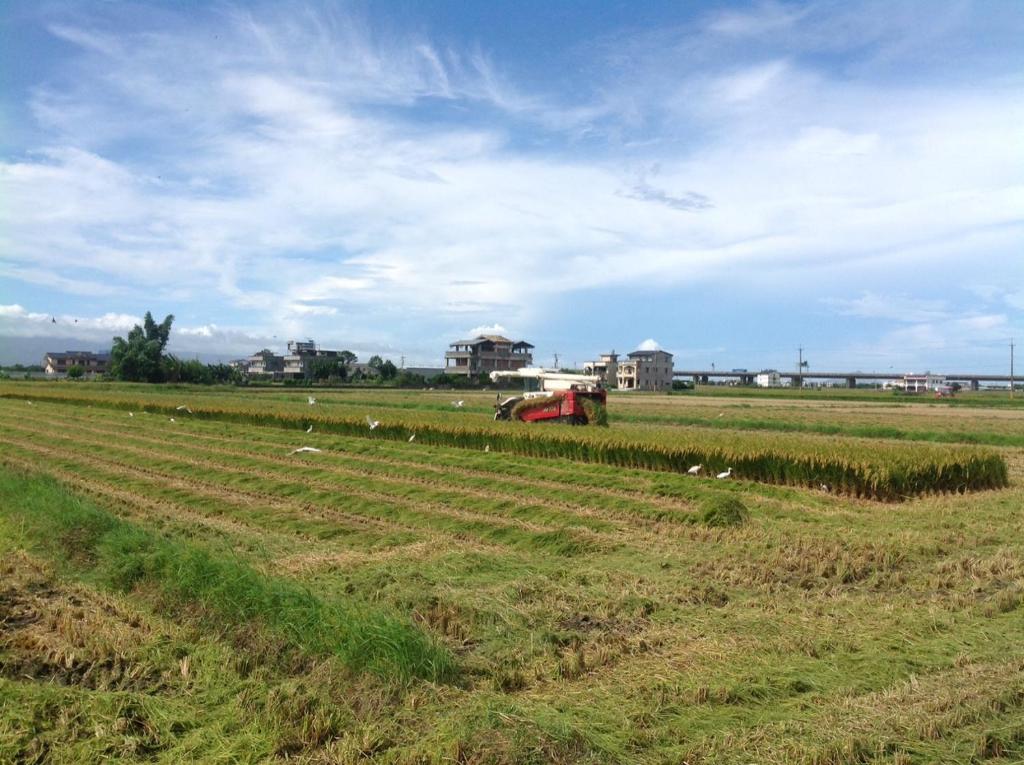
{"x": 265, "y": 362}
{"x": 486, "y": 354}
{"x": 607, "y": 368}
{"x": 91, "y": 363}
{"x": 646, "y": 370}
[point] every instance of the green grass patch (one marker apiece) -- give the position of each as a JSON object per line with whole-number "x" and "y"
{"x": 720, "y": 510}
{"x": 123, "y": 556}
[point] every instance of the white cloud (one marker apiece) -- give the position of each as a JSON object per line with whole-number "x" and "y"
{"x": 650, "y": 344}
{"x": 488, "y": 329}
{"x": 890, "y": 307}
{"x": 751, "y": 82}
{"x": 289, "y": 174}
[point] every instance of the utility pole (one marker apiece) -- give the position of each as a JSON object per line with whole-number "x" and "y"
{"x": 556, "y": 360}
{"x": 800, "y": 367}
{"x": 403, "y": 363}
{"x": 1011, "y": 367}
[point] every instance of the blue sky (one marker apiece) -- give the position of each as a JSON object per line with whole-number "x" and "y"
{"x": 731, "y": 180}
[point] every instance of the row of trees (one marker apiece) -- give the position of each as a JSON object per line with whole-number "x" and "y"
{"x": 141, "y": 358}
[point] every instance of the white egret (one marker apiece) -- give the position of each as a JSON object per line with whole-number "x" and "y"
{"x": 412, "y": 438}
{"x": 305, "y": 449}
{"x": 695, "y": 470}
{"x": 311, "y": 400}
{"x": 184, "y": 408}
{"x": 309, "y": 429}
{"x": 372, "y": 423}
{"x": 726, "y": 474}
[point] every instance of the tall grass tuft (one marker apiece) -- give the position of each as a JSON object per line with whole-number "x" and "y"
{"x": 721, "y": 510}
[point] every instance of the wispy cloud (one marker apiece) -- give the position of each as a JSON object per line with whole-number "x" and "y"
{"x": 316, "y": 173}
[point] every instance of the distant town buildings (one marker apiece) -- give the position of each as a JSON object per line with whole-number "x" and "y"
{"x": 485, "y": 354}
{"x": 91, "y": 363}
{"x": 646, "y": 370}
{"x": 607, "y": 368}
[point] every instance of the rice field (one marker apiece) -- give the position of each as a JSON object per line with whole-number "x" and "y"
{"x": 192, "y": 590}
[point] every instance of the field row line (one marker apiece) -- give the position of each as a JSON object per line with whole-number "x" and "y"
{"x": 204, "y": 490}
{"x": 228, "y": 470}
{"x": 501, "y": 490}
{"x": 573, "y": 476}
{"x": 139, "y": 507}
{"x": 421, "y": 509}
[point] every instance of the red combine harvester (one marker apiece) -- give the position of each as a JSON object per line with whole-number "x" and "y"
{"x": 552, "y": 396}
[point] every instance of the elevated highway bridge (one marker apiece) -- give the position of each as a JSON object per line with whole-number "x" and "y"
{"x": 972, "y": 380}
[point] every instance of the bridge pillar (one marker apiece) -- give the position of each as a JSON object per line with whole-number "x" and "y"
{"x": 975, "y": 385}
{"x": 851, "y": 382}
{"x": 797, "y": 381}
{"x": 747, "y": 379}
{"x": 703, "y": 379}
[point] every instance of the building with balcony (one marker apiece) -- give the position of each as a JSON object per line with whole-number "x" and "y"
{"x": 297, "y": 363}
{"x": 645, "y": 370}
{"x": 915, "y": 383}
{"x": 265, "y": 362}
{"x": 486, "y": 354}
{"x": 607, "y": 368}
{"x": 91, "y": 363}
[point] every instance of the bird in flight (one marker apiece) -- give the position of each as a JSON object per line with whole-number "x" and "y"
{"x": 311, "y": 400}
{"x": 305, "y": 449}
{"x": 412, "y": 438}
{"x": 458, "y": 404}
{"x": 695, "y": 470}
{"x": 372, "y": 423}
{"x": 184, "y": 408}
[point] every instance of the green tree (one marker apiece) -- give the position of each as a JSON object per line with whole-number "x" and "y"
{"x": 75, "y": 371}
{"x": 388, "y": 370}
{"x": 347, "y": 358}
{"x": 140, "y": 357}
{"x": 322, "y": 368}
{"x": 375, "y": 362}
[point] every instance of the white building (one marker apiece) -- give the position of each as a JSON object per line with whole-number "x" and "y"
{"x": 607, "y": 368}
{"x": 923, "y": 383}
{"x": 646, "y": 370}
{"x": 769, "y": 378}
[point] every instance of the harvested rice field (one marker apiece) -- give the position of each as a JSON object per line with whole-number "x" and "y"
{"x": 178, "y": 584}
